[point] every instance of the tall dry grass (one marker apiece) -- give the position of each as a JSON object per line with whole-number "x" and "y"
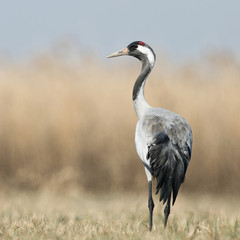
{"x": 70, "y": 124}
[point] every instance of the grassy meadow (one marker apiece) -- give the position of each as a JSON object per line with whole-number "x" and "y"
{"x": 68, "y": 165}
{"x": 115, "y": 216}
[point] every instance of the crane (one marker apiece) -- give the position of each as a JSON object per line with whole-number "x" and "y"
{"x": 163, "y": 139}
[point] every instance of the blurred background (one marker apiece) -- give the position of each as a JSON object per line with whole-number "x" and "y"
{"x": 66, "y": 114}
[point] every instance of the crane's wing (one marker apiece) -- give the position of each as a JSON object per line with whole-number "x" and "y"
{"x": 169, "y": 152}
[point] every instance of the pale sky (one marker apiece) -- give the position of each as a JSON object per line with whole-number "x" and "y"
{"x": 183, "y": 29}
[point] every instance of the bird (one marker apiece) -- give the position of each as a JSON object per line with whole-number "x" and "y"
{"x": 163, "y": 139}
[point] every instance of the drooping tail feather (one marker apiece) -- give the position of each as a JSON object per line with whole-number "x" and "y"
{"x": 168, "y": 165}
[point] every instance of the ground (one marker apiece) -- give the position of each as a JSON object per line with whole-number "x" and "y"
{"x": 115, "y": 216}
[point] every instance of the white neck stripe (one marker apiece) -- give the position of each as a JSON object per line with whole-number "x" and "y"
{"x": 148, "y": 53}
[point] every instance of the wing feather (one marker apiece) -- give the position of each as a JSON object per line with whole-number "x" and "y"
{"x": 169, "y": 153}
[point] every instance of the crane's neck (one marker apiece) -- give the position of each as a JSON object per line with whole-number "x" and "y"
{"x": 139, "y": 102}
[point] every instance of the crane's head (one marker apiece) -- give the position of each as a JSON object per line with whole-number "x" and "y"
{"x": 137, "y": 49}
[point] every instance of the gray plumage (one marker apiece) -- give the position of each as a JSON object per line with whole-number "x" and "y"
{"x": 163, "y": 139}
{"x": 169, "y": 151}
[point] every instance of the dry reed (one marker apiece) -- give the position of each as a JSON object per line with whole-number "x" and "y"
{"x": 70, "y": 124}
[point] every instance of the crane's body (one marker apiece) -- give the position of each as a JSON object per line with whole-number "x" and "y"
{"x": 163, "y": 139}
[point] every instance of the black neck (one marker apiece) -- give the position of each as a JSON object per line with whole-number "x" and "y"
{"x": 146, "y": 69}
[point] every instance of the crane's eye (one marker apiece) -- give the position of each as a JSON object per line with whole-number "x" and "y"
{"x": 133, "y": 47}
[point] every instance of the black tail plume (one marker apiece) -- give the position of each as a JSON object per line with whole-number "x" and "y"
{"x": 168, "y": 164}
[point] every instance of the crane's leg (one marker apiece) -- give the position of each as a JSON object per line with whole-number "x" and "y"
{"x": 150, "y": 204}
{"x": 167, "y": 211}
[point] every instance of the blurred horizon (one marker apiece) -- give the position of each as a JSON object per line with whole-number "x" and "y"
{"x": 69, "y": 124}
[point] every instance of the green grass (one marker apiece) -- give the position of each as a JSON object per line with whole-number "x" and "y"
{"x": 114, "y": 216}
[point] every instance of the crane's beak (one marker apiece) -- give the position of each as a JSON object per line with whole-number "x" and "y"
{"x": 122, "y": 52}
